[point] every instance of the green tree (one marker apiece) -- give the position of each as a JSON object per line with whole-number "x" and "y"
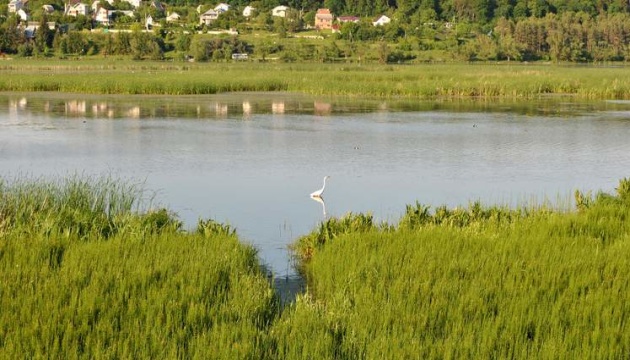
{"x": 43, "y": 36}
{"x": 10, "y": 36}
{"x": 123, "y": 43}
{"x": 383, "y": 52}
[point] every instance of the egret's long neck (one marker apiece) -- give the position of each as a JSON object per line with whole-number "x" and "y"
{"x": 323, "y": 187}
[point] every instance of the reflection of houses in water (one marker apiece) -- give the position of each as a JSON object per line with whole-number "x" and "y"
{"x": 18, "y": 104}
{"x": 221, "y": 109}
{"x": 277, "y": 107}
{"x": 322, "y": 108}
{"x": 76, "y": 107}
{"x": 133, "y": 113}
{"x": 15, "y": 107}
{"x": 247, "y": 108}
{"x": 102, "y": 110}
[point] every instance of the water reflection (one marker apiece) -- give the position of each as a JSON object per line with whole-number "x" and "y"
{"x": 247, "y": 104}
{"x": 320, "y": 200}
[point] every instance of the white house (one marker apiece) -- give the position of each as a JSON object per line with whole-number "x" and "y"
{"x": 279, "y": 11}
{"x": 33, "y": 26}
{"x": 221, "y": 8}
{"x": 102, "y": 16}
{"x": 173, "y": 17}
{"x": 15, "y": 5}
{"x": 248, "y": 11}
{"x": 208, "y": 17}
{"x": 48, "y": 9}
{"x": 382, "y": 21}
{"x": 148, "y": 22}
{"x": 77, "y": 9}
{"x": 22, "y": 14}
{"x": 134, "y": 3}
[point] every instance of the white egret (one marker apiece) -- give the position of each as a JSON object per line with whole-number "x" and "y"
{"x": 319, "y": 192}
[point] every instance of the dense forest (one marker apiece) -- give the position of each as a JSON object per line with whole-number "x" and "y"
{"x": 420, "y": 30}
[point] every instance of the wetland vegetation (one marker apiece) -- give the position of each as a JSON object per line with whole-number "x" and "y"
{"x": 90, "y": 270}
{"x": 512, "y": 81}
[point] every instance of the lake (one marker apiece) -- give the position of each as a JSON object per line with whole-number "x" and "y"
{"x": 251, "y": 160}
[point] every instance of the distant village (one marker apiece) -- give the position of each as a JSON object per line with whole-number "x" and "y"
{"x": 387, "y": 33}
{"x": 117, "y": 15}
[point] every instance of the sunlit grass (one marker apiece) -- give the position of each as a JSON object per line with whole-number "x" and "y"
{"x": 469, "y": 283}
{"x": 517, "y": 81}
{"x": 86, "y": 275}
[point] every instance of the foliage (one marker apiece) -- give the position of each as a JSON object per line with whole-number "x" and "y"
{"x": 210, "y": 228}
{"x": 421, "y": 81}
{"x": 86, "y": 276}
{"x": 462, "y": 284}
{"x": 330, "y": 229}
{"x": 216, "y": 49}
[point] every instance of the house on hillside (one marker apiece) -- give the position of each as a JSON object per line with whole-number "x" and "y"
{"x": 248, "y": 11}
{"x": 323, "y": 19}
{"x": 48, "y": 9}
{"x": 382, "y": 20}
{"x": 173, "y": 17}
{"x": 77, "y": 9}
{"x": 347, "y": 19}
{"x": 208, "y": 17}
{"x": 134, "y": 3}
{"x": 22, "y": 15}
{"x": 279, "y": 11}
{"x": 221, "y": 8}
{"x": 33, "y": 26}
{"x": 107, "y": 17}
{"x": 15, "y": 5}
{"x": 148, "y": 22}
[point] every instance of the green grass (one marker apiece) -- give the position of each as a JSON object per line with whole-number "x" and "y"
{"x": 81, "y": 279}
{"x": 468, "y": 283}
{"x": 90, "y": 270}
{"x": 516, "y": 81}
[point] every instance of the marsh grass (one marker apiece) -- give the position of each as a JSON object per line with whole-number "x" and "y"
{"x": 513, "y": 81}
{"x": 86, "y": 274}
{"x": 89, "y": 272}
{"x": 481, "y": 282}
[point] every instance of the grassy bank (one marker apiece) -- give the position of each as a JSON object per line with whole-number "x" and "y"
{"x": 87, "y": 273}
{"x": 468, "y": 283}
{"x": 514, "y": 81}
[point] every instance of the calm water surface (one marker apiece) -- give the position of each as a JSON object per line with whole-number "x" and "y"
{"x": 252, "y": 159}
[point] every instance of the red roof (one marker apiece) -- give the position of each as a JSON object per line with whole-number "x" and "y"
{"x": 348, "y": 19}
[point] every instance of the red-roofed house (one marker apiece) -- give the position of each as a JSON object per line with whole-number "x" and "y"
{"x": 323, "y": 19}
{"x": 345, "y": 19}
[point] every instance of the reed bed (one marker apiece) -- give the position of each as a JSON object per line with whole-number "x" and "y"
{"x": 514, "y": 81}
{"x": 84, "y": 275}
{"x": 468, "y": 283}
